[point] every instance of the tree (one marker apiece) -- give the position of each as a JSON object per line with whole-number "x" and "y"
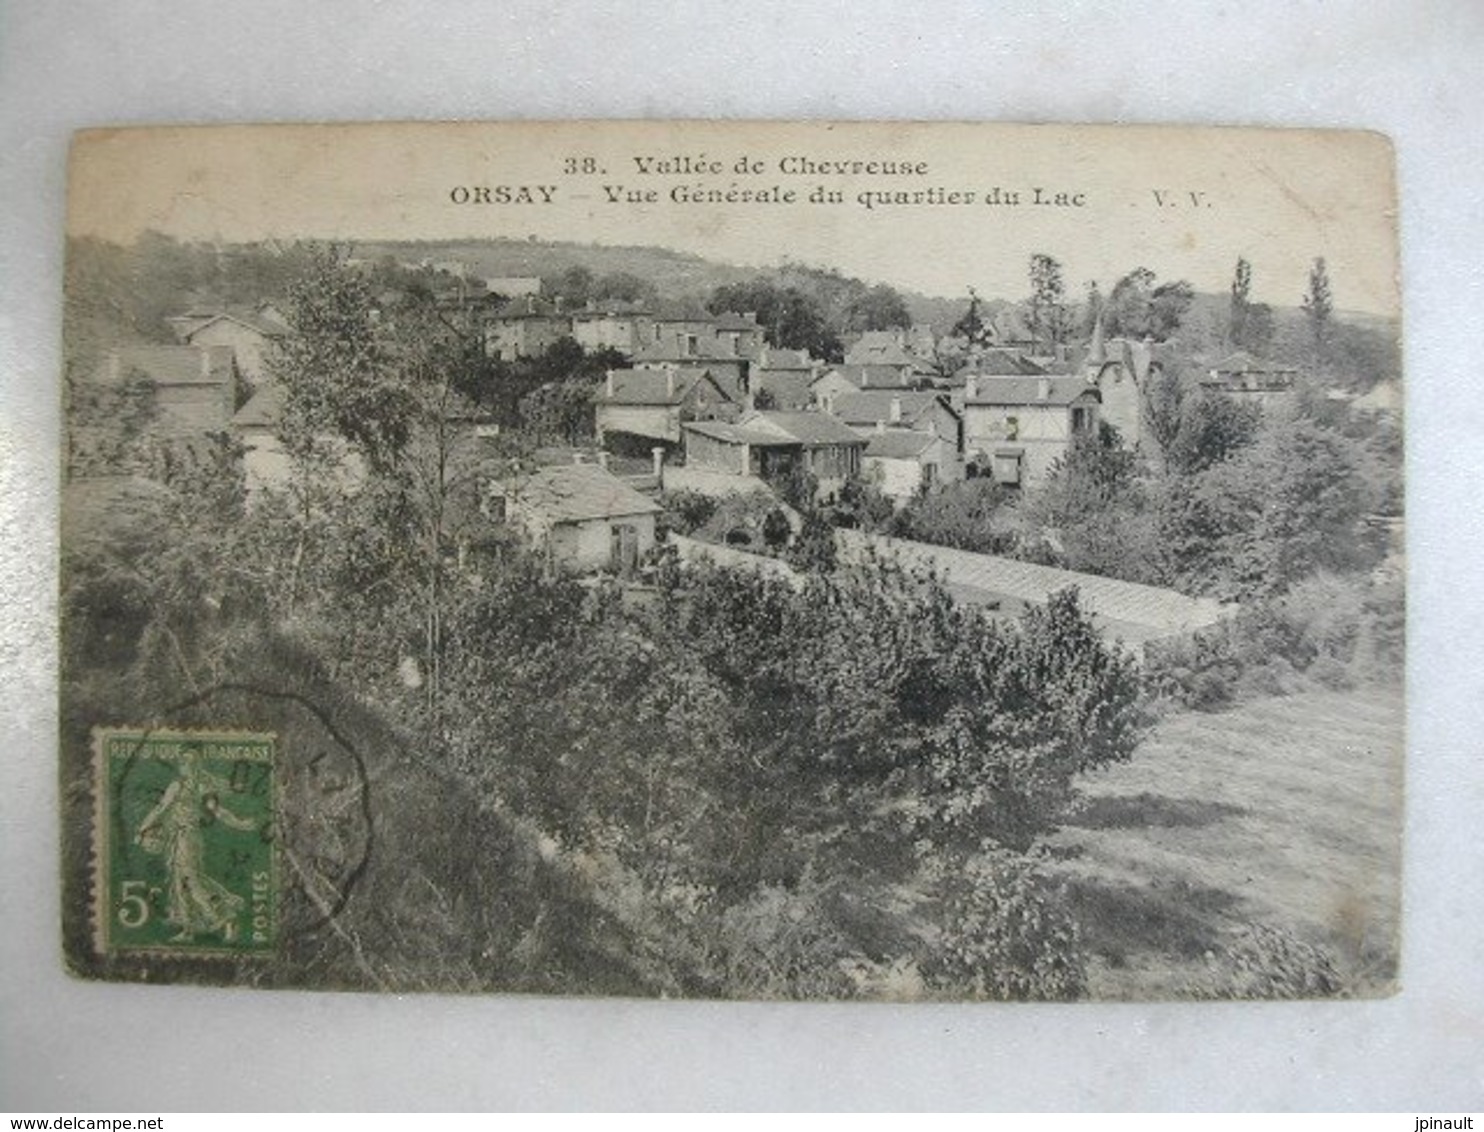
{"x": 1212, "y": 426}
{"x": 1047, "y": 314}
{"x": 790, "y": 319}
{"x": 1318, "y": 309}
{"x": 1241, "y": 304}
{"x": 335, "y": 371}
{"x": 573, "y": 286}
{"x": 1249, "y": 325}
{"x": 1092, "y": 309}
{"x": 879, "y": 308}
{"x": 1139, "y": 307}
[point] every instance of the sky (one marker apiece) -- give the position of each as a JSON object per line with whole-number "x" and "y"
{"x": 1184, "y": 202}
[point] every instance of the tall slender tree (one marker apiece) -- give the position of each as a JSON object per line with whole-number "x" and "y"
{"x": 1319, "y": 307}
{"x": 1046, "y": 311}
{"x": 1241, "y": 305}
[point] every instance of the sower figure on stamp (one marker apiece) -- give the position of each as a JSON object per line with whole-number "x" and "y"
{"x": 173, "y": 829}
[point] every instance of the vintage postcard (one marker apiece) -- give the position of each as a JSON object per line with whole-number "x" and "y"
{"x": 897, "y": 561}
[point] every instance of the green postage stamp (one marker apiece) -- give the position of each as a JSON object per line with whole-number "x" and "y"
{"x": 186, "y": 852}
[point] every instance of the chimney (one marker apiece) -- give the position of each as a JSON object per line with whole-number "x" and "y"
{"x": 206, "y": 364}
{"x": 669, "y": 381}
{"x": 1043, "y": 389}
{"x": 609, "y": 379}
{"x": 971, "y": 389}
{"x": 579, "y": 457}
{"x": 896, "y": 410}
{"x": 880, "y": 426}
{"x": 658, "y": 453}
{"x": 603, "y": 460}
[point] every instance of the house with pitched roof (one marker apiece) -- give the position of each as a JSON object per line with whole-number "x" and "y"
{"x": 614, "y": 326}
{"x": 583, "y": 518}
{"x": 1121, "y": 369}
{"x": 728, "y": 345}
{"x": 774, "y": 445}
{"x": 784, "y": 379}
{"x": 653, "y": 403}
{"x": 895, "y": 423}
{"x": 525, "y": 327}
{"x": 887, "y": 348}
{"x": 902, "y": 462}
{"x": 927, "y": 410}
{"x": 195, "y": 388}
{"x": 1019, "y": 426}
{"x": 249, "y": 335}
{"x": 265, "y": 463}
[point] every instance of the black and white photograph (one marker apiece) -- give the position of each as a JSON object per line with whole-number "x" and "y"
{"x": 892, "y": 562}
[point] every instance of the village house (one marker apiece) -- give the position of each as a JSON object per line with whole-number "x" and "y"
{"x": 655, "y": 403}
{"x": 1249, "y": 380}
{"x": 1121, "y": 369}
{"x": 774, "y": 445}
{"x": 196, "y": 388}
{"x": 884, "y": 349}
{"x": 920, "y": 410}
{"x": 783, "y": 379}
{"x": 727, "y": 345}
{"x": 1019, "y": 426}
{"x": 583, "y": 518}
{"x": 618, "y": 327}
{"x": 265, "y": 463}
{"x": 525, "y": 328}
{"x": 249, "y": 334}
{"x": 902, "y": 462}
{"x": 855, "y": 378}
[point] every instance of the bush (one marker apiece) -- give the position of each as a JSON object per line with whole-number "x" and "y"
{"x": 1005, "y": 933}
{"x": 1267, "y": 963}
{"x": 1327, "y": 632}
{"x": 686, "y": 511}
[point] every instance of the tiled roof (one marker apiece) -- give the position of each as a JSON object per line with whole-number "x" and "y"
{"x": 268, "y": 327}
{"x": 775, "y": 358}
{"x": 737, "y": 434}
{"x": 172, "y": 365}
{"x": 577, "y": 492}
{"x": 1243, "y": 362}
{"x": 655, "y": 386}
{"x": 870, "y": 376}
{"x": 870, "y": 406}
{"x": 262, "y": 409}
{"x": 807, "y": 428}
{"x": 1059, "y": 390}
{"x": 1004, "y": 362}
{"x": 898, "y": 444}
{"x": 885, "y": 353}
{"x": 730, "y": 321}
{"x": 790, "y": 388}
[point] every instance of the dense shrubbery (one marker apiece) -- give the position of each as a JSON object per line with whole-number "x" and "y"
{"x": 1327, "y": 632}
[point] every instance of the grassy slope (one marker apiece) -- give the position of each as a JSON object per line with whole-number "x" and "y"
{"x": 1285, "y": 812}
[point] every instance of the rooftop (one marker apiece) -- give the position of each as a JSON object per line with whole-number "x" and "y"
{"x": 574, "y": 493}
{"x": 898, "y": 444}
{"x": 668, "y": 386}
{"x": 869, "y": 406}
{"x": 171, "y": 365}
{"x": 1057, "y": 389}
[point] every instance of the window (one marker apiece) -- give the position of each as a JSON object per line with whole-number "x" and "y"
{"x": 1012, "y": 428}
